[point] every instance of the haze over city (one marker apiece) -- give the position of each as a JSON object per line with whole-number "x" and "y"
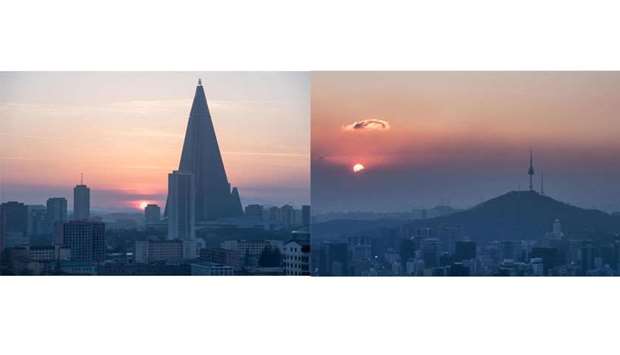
{"x": 458, "y": 138}
{"x": 124, "y": 131}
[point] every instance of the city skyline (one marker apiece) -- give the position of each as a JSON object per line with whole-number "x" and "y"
{"x": 128, "y": 131}
{"x": 459, "y": 138}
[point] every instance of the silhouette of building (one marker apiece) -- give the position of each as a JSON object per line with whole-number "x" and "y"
{"x": 181, "y": 207}
{"x": 152, "y": 214}
{"x": 201, "y": 157}
{"x": 81, "y": 202}
{"x": 56, "y": 211}
{"x": 85, "y": 239}
{"x": 36, "y": 220}
{"x": 14, "y": 220}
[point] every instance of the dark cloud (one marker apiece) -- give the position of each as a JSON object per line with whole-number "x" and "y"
{"x": 371, "y": 124}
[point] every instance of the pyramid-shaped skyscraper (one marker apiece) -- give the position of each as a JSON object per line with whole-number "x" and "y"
{"x": 201, "y": 157}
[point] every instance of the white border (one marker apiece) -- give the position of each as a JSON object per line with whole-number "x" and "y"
{"x": 161, "y": 315}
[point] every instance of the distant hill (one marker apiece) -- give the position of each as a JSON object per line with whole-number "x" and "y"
{"x": 516, "y": 215}
{"x": 525, "y": 215}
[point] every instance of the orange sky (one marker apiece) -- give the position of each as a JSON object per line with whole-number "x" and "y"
{"x": 125, "y": 132}
{"x": 465, "y": 124}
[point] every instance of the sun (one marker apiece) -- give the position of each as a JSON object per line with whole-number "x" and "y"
{"x": 143, "y": 204}
{"x": 358, "y": 167}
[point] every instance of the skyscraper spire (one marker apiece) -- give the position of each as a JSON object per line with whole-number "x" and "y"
{"x": 530, "y": 171}
{"x": 542, "y": 184}
{"x": 201, "y": 157}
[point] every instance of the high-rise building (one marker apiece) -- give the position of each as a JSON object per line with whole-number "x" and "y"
{"x": 37, "y": 224}
{"x": 181, "y": 207}
{"x": 14, "y": 220}
{"x": 85, "y": 239}
{"x": 81, "y": 202}
{"x": 152, "y": 214}
{"x": 56, "y": 211}
{"x": 201, "y": 157}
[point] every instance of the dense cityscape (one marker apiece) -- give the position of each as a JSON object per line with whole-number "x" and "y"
{"x": 202, "y": 230}
{"x": 521, "y": 233}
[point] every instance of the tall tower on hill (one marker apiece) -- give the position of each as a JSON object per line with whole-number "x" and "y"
{"x": 530, "y": 171}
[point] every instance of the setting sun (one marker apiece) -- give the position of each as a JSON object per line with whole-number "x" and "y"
{"x": 143, "y": 204}
{"x": 358, "y": 167}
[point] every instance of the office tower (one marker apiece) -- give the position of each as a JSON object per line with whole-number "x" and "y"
{"x": 201, "y": 157}
{"x": 152, "y": 214}
{"x": 85, "y": 239}
{"x": 14, "y": 219}
{"x": 56, "y": 211}
{"x": 81, "y": 202}
{"x": 254, "y": 211}
{"x": 181, "y": 207}
{"x": 305, "y": 215}
{"x": 37, "y": 216}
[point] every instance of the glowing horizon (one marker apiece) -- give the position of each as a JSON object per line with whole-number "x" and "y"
{"x": 462, "y": 137}
{"x": 127, "y": 131}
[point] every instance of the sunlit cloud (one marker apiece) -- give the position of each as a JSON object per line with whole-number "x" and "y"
{"x": 370, "y": 124}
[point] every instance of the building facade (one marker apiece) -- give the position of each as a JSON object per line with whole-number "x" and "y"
{"x": 85, "y": 239}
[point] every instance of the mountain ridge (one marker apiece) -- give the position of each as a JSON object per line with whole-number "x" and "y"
{"x": 525, "y": 215}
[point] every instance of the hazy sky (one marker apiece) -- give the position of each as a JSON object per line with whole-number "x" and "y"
{"x": 124, "y": 131}
{"x": 462, "y": 137}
